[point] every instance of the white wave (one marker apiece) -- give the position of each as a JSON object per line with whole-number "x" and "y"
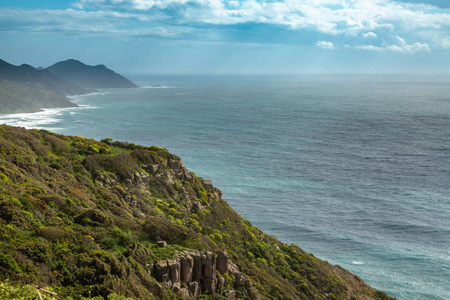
{"x": 76, "y": 97}
{"x": 155, "y": 87}
{"x": 45, "y": 117}
{"x": 357, "y": 263}
{"x": 84, "y": 106}
{"x": 32, "y": 120}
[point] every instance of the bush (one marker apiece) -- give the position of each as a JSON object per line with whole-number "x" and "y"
{"x": 9, "y": 263}
{"x": 38, "y": 251}
{"x": 58, "y": 144}
{"x": 123, "y": 164}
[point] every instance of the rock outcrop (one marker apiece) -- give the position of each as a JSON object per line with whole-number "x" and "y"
{"x": 194, "y": 272}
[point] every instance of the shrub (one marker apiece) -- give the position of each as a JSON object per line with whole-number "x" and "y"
{"x": 4, "y": 178}
{"x": 38, "y": 251}
{"x": 9, "y": 263}
{"x": 58, "y": 144}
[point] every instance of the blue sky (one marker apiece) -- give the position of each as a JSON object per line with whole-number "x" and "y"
{"x": 231, "y": 36}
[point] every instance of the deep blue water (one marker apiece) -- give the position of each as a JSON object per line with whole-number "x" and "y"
{"x": 355, "y": 171}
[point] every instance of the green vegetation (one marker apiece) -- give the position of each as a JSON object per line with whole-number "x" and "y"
{"x": 83, "y": 218}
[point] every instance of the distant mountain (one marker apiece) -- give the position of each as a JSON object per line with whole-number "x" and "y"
{"x": 89, "y": 77}
{"x": 41, "y": 79}
{"x": 19, "y": 98}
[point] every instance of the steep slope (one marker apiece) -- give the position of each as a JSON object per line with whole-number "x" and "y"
{"x": 19, "y": 98}
{"x": 41, "y": 79}
{"x": 92, "y": 218}
{"x": 89, "y": 77}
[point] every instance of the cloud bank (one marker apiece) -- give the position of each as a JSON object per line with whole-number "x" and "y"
{"x": 348, "y": 19}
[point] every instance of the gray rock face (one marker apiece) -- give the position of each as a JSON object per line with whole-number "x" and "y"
{"x": 208, "y": 184}
{"x": 197, "y": 271}
{"x": 229, "y": 294}
{"x": 209, "y": 266}
{"x": 234, "y": 270}
{"x": 174, "y": 266}
{"x": 152, "y": 169}
{"x": 194, "y": 289}
{"x": 176, "y": 287}
{"x": 222, "y": 262}
{"x": 184, "y": 292}
{"x": 209, "y": 284}
{"x": 174, "y": 164}
{"x": 187, "y": 267}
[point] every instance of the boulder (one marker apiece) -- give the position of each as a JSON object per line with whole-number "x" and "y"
{"x": 161, "y": 244}
{"x": 174, "y": 164}
{"x": 151, "y": 168}
{"x": 185, "y": 293}
{"x": 207, "y": 184}
{"x": 229, "y": 294}
{"x": 234, "y": 270}
{"x": 176, "y": 287}
{"x": 188, "y": 176}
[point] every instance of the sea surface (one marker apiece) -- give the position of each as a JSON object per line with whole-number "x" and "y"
{"x": 353, "y": 170}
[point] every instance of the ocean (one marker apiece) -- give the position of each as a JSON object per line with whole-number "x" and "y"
{"x": 353, "y": 170}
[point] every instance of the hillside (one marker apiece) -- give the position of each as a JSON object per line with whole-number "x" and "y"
{"x": 86, "y": 218}
{"x": 41, "y": 79}
{"x": 19, "y": 98}
{"x": 89, "y": 77}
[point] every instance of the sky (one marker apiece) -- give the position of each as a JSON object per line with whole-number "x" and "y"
{"x": 231, "y": 36}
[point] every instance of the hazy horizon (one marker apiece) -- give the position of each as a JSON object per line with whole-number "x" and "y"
{"x": 231, "y": 37}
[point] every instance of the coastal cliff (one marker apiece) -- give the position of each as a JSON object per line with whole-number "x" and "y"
{"x": 105, "y": 219}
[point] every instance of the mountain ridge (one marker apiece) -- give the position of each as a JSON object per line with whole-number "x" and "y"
{"x": 34, "y": 89}
{"x": 42, "y": 79}
{"x": 89, "y": 77}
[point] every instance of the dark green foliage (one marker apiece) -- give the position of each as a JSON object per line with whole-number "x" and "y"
{"x": 123, "y": 164}
{"x": 9, "y": 263}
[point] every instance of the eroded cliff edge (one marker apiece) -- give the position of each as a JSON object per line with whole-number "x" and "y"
{"x": 90, "y": 218}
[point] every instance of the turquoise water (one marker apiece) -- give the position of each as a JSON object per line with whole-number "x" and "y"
{"x": 355, "y": 171}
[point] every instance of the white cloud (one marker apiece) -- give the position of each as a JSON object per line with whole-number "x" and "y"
{"x": 369, "y": 34}
{"x": 325, "y": 45}
{"x": 402, "y": 47}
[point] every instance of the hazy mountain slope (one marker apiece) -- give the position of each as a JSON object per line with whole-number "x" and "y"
{"x": 19, "y": 98}
{"x": 41, "y": 79}
{"x": 89, "y": 77}
{"x": 88, "y": 218}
